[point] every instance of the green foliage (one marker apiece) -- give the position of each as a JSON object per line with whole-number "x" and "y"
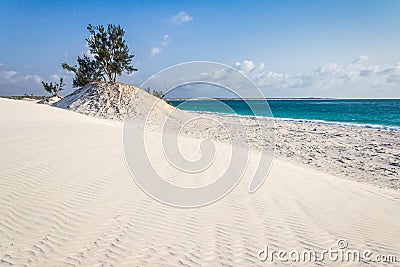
{"x": 86, "y": 72}
{"x": 156, "y": 93}
{"x": 111, "y": 54}
{"x": 53, "y": 89}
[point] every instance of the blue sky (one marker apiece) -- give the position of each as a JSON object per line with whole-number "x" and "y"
{"x": 289, "y": 48}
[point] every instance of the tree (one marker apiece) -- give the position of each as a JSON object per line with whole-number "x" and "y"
{"x": 155, "y": 93}
{"x": 158, "y": 94}
{"x": 53, "y": 89}
{"x": 110, "y": 51}
{"x": 111, "y": 56}
{"x": 86, "y": 72}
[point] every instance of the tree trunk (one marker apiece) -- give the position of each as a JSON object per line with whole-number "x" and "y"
{"x": 109, "y": 76}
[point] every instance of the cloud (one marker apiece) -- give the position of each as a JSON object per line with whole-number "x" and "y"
{"x": 155, "y": 51}
{"x": 7, "y": 74}
{"x": 247, "y": 66}
{"x": 180, "y": 18}
{"x": 360, "y": 60}
{"x": 55, "y": 77}
{"x": 35, "y": 78}
{"x": 357, "y": 79}
{"x": 12, "y": 77}
{"x": 15, "y": 83}
{"x": 394, "y": 79}
{"x": 261, "y": 67}
{"x": 166, "y": 40}
{"x": 327, "y": 69}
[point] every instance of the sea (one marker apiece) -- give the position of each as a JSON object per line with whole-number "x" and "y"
{"x": 366, "y": 113}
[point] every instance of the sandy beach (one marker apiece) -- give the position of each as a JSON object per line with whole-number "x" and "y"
{"x": 365, "y": 155}
{"x": 68, "y": 199}
{"x": 200, "y": 133}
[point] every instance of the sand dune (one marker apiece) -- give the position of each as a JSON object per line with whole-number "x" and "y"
{"x": 67, "y": 199}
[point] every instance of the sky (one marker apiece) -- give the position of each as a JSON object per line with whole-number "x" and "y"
{"x": 343, "y": 49}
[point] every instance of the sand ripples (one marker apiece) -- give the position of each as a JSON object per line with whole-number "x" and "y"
{"x": 67, "y": 199}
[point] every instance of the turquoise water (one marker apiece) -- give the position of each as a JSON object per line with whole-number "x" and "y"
{"x": 369, "y": 113}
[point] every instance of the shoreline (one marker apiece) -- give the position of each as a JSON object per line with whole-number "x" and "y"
{"x": 381, "y": 127}
{"x": 308, "y": 121}
{"x": 364, "y": 154}
{"x": 354, "y": 153}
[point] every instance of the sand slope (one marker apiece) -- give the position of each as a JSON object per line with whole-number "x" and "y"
{"x": 67, "y": 199}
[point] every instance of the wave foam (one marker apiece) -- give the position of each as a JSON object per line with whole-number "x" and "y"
{"x": 310, "y": 121}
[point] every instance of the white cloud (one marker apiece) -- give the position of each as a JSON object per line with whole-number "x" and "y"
{"x": 394, "y": 79}
{"x": 180, "y": 18}
{"x": 155, "y": 51}
{"x": 55, "y": 77}
{"x": 166, "y": 40}
{"x": 14, "y": 83}
{"x": 327, "y": 69}
{"x": 35, "y": 78}
{"x": 7, "y": 74}
{"x": 356, "y": 79}
{"x": 247, "y": 66}
{"x": 360, "y": 60}
{"x": 261, "y": 67}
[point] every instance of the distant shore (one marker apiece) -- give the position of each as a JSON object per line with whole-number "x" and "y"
{"x": 24, "y": 97}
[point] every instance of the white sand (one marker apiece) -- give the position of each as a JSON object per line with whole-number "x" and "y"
{"x": 365, "y": 155}
{"x": 67, "y": 198}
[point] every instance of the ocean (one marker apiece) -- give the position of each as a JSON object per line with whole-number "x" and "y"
{"x": 367, "y": 113}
